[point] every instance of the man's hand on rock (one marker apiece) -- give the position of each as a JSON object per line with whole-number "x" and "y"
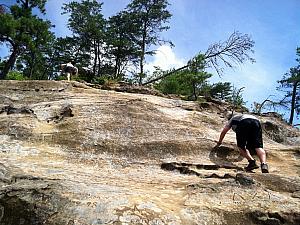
{"x": 218, "y": 144}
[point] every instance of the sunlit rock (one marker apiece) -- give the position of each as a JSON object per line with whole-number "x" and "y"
{"x": 74, "y": 154}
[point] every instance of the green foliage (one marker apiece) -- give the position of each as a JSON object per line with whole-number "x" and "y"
{"x": 60, "y": 77}
{"x": 63, "y": 52}
{"x": 88, "y": 26}
{"x": 100, "y": 80}
{"x": 170, "y": 85}
{"x": 86, "y": 19}
{"x": 30, "y": 4}
{"x": 105, "y": 80}
{"x": 236, "y": 98}
{"x": 15, "y": 75}
{"x": 37, "y": 57}
{"x": 193, "y": 81}
{"x": 120, "y": 40}
{"x": 222, "y": 91}
{"x": 24, "y": 33}
{"x": 192, "y": 85}
{"x": 189, "y": 82}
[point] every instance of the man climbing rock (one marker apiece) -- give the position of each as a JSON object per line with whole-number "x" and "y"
{"x": 69, "y": 69}
{"x": 249, "y": 138}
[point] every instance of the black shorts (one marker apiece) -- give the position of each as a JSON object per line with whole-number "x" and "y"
{"x": 249, "y": 135}
{"x": 69, "y": 69}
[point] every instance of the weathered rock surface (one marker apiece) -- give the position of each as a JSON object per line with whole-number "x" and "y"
{"x": 75, "y": 155}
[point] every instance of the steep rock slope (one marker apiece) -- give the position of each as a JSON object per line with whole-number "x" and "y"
{"x": 72, "y": 154}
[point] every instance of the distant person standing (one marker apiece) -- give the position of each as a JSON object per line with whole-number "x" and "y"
{"x": 249, "y": 138}
{"x": 69, "y": 69}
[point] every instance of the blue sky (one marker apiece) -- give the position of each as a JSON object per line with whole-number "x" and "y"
{"x": 274, "y": 25}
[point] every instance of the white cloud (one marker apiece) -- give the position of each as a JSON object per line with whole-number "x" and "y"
{"x": 164, "y": 58}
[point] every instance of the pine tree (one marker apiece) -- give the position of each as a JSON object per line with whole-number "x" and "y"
{"x": 120, "y": 40}
{"x": 290, "y": 84}
{"x": 19, "y": 31}
{"x": 149, "y": 17}
{"x": 88, "y": 26}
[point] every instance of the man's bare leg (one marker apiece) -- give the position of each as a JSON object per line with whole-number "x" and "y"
{"x": 245, "y": 153}
{"x": 261, "y": 154}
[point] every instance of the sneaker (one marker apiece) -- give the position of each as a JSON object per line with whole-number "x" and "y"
{"x": 264, "y": 168}
{"x": 251, "y": 166}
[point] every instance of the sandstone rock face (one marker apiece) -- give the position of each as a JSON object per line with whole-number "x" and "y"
{"x": 75, "y": 155}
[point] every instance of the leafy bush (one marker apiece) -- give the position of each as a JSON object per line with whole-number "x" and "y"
{"x": 185, "y": 83}
{"x": 168, "y": 86}
{"x": 105, "y": 80}
{"x": 100, "y": 80}
{"x": 222, "y": 91}
{"x": 60, "y": 77}
{"x": 15, "y": 75}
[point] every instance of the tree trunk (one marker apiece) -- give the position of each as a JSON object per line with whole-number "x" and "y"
{"x": 194, "y": 91}
{"x": 143, "y": 53}
{"x": 117, "y": 66}
{"x": 141, "y": 70}
{"x": 95, "y": 58}
{"x": 9, "y": 64}
{"x": 117, "y": 63}
{"x": 32, "y": 66}
{"x": 99, "y": 58}
{"x": 165, "y": 75}
{"x": 293, "y": 102}
{"x": 142, "y": 65}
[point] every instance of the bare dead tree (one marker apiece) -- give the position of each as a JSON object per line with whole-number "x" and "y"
{"x": 270, "y": 103}
{"x": 267, "y": 102}
{"x": 234, "y": 51}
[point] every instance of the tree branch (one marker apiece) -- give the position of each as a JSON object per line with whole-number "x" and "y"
{"x": 165, "y": 75}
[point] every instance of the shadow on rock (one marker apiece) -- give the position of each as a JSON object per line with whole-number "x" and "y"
{"x": 12, "y": 110}
{"x": 274, "y": 218}
{"x": 278, "y": 183}
{"x": 31, "y": 200}
{"x": 224, "y": 155}
{"x": 189, "y": 169}
{"x": 14, "y": 210}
